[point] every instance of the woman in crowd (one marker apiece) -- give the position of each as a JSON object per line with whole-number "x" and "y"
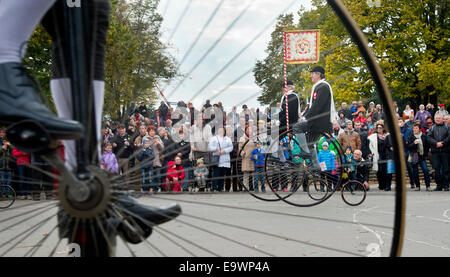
{"x": 418, "y": 152}
{"x": 379, "y": 147}
{"x": 220, "y": 146}
{"x": 158, "y": 147}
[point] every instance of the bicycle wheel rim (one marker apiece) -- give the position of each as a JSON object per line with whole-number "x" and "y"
{"x": 8, "y": 196}
{"x": 386, "y": 98}
{"x": 349, "y": 186}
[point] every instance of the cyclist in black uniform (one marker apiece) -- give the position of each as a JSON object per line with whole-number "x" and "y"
{"x": 318, "y": 119}
{"x": 293, "y": 107}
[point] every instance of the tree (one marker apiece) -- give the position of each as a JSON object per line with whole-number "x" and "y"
{"x": 37, "y": 60}
{"x": 408, "y": 37}
{"x": 136, "y": 57}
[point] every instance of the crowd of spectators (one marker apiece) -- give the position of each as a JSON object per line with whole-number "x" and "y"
{"x": 196, "y": 149}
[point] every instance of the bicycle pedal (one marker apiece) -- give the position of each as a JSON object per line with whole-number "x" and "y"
{"x": 30, "y": 137}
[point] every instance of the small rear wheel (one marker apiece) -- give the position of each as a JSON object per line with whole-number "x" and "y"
{"x": 353, "y": 193}
{"x": 7, "y": 196}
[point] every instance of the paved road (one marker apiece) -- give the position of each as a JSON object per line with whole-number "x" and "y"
{"x": 239, "y": 225}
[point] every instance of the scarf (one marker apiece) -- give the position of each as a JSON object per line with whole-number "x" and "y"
{"x": 420, "y": 145}
{"x": 333, "y": 114}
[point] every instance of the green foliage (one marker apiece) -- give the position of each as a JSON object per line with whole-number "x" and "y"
{"x": 38, "y": 62}
{"x": 408, "y": 37}
{"x": 135, "y": 57}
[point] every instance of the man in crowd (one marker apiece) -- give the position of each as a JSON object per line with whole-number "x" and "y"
{"x": 406, "y": 133}
{"x": 123, "y": 148}
{"x": 363, "y": 135}
{"x": 377, "y": 115}
{"x": 362, "y": 169}
{"x": 346, "y": 111}
{"x": 442, "y": 110}
{"x": 439, "y": 141}
{"x": 349, "y": 137}
{"x": 431, "y": 109}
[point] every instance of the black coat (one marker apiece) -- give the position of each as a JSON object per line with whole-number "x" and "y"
{"x": 169, "y": 151}
{"x": 414, "y": 148}
{"x": 184, "y": 148}
{"x": 363, "y": 134}
{"x": 122, "y": 151}
{"x": 293, "y": 109}
{"x": 318, "y": 115}
{"x": 362, "y": 170}
{"x": 436, "y": 134}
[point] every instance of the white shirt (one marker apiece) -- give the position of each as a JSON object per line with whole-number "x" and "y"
{"x": 221, "y": 143}
{"x": 333, "y": 114}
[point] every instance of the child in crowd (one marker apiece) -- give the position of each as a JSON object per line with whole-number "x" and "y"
{"x": 284, "y": 145}
{"x": 146, "y": 156}
{"x": 200, "y": 173}
{"x": 258, "y": 155}
{"x": 327, "y": 164}
{"x": 349, "y": 163}
{"x": 109, "y": 160}
{"x": 175, "y": 175}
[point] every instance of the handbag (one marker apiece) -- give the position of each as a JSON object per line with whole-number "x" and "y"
{"x": 390, "y": 167}
{"x": 214, "y": 159}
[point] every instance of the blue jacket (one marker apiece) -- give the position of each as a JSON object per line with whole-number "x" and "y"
{"x": 285, "y": 147}
{"x": 328, "y": 158}
{"x": 406, "y": 133}
{"x": 261, "y": 155}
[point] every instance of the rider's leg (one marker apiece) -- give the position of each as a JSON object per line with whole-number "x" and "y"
{"x": 18, "y": 93}
{"x": 309, "y": 152}
{"x": 62, "y": 97}
{"x": 60, "y": 84}
{"x": 18, "y": 19}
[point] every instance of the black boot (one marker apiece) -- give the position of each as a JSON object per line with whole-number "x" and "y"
{"x": 19, "y": 100}
{"x": 145, "y": 216}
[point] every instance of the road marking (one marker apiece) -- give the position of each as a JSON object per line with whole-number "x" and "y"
{"x": 374, "y": 249}
{"x": 445, "y": 214}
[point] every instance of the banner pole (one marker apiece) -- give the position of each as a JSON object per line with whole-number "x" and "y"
{"x": 285, "y": 79}
{"x": 164, "y": 97}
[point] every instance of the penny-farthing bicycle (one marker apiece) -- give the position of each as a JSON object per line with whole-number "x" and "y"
{"x": 88, "y": 210}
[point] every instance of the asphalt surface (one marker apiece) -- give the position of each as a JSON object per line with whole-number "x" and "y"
{"x": 239, "y": 225}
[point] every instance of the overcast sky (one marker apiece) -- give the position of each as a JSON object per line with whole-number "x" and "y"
{"x": 254, "y": 21}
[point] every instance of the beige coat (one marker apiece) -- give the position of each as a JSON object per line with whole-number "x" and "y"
{"x": 246, "y": 153}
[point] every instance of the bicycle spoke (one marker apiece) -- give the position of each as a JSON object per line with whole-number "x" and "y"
{"x": 29, "y": 231}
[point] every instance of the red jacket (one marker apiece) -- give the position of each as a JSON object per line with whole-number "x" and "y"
{"x": 22, "y": 158}
{"x": 177, "y": 172}
{"x": 361, "y": 119}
